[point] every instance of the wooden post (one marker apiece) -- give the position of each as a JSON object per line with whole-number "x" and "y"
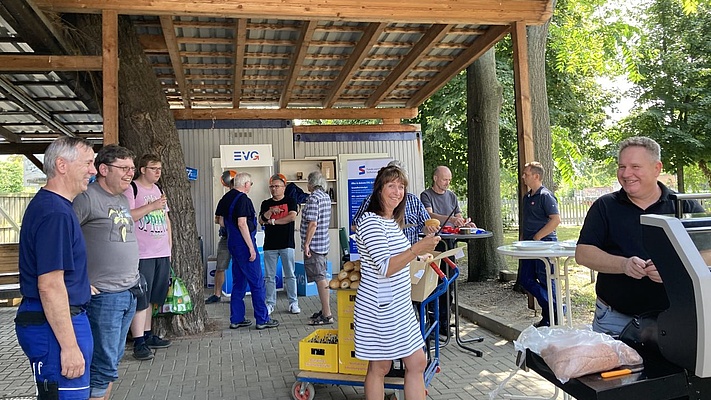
{"x": 109, "y": 36}
{"x": 522, "y": 93}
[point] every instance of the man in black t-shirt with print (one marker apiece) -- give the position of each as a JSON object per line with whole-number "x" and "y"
{"x": 277, "y": 215}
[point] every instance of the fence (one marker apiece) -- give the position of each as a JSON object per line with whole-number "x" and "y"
{"x": 572, "y": 210}
{"x": 12, "y": 208}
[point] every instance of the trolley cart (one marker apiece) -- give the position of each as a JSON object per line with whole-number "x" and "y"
{"x": 303, "y": 388}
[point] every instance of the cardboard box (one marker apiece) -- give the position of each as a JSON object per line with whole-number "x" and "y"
{"x": 210, "y": 273}
{"x": 303, "y": 287}
{"x": 347, "y": 361}
{"x": 424, "y": 278}
{"x": 318, "y": 357}
{"x": 346, "y": 302}
{"x": 227, "y": 286}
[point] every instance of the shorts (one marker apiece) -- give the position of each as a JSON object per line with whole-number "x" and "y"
{"x": 223, "y": 255}
{"x": 41, "y": 347}
{"x": 157, "y": 273}
{"x": 315, "y": 267}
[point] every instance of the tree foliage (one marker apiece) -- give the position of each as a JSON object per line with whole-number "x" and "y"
{"x": 11, "y": 174}
{"x": 673, "y": 103}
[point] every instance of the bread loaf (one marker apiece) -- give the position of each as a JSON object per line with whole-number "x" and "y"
{"x": 354, "y": 276}
{"x": 354, "y": 285}
{"x": 348, "y": 266}
{"x": 343, "y": 274}
{"x": 345, "y": 284}
{"x": 576, "y": 361}
{"x": 334, "y": 284}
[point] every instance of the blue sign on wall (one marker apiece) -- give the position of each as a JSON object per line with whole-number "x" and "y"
{"x": 192, "y": 173}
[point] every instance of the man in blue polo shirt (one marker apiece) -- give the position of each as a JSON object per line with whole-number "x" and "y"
{"x": 540, "y": 218}
{"x": 51, "y": 325}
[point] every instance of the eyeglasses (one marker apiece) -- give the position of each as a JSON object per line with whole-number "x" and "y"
{"x": 123, "y": 169}
{"x": 276, "y": 186}
{"x": 158, "y": 169}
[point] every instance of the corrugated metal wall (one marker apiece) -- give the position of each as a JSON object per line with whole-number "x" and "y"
{"x": 201, "y": 142}
{"x": 201, "y": 145}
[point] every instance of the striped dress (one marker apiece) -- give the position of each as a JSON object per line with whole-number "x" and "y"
{"x": 386, "y": 327}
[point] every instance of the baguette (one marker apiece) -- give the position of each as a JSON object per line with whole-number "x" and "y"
{"x": 576, "y": 361}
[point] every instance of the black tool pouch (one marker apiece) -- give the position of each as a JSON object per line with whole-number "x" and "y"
{"x": 641, "y": 333}
{"x": 141, "y": 287}
{"x": 47, "y": 391}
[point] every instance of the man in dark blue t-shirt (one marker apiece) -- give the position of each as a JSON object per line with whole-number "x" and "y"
{"x": 51, "y": 324}
{"x": 241, "y": 224}
{"x": 223, "y": 253}
{"x": 540, "y": 218}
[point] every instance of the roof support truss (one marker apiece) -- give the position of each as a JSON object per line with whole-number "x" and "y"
{"x": 176, "y": 60}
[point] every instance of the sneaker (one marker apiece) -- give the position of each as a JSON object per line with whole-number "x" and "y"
{"x": 322, "y": 320}
{"x": 242, "y": 324}
{"x": 212, "y": 299}
{"x": 270, "y": 309}
{"x": 294, "y": 308}
{"x": 154, "y": 342}
{"x": 142, "y": 352}
{"x": 272, "y": 323}
{"x": 541, "y": 323}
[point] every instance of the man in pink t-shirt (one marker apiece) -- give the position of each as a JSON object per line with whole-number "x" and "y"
{"x": 152, "y": 227}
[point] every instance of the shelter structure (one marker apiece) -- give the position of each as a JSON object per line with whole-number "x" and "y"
{"x": 253, "y": 59}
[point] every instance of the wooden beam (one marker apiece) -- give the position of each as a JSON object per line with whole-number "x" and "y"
{"x": 302, "y": 47}
{"x": 522, "y": 95}
{"x": 34, "y": 160}
{"x": 166, "y": 23}
{"x": 30, "y": 148}
{"x": 295, "y": 113}
{"x": 33, "y": 63}
{"x": 468, "y": 56}
{"x": 482, "y": 12}
{"x": 109, "y": 42}
{"x": 376, "y": 128}
{"x": 9, "y": 135}
{"x": 367, "y": 40}
{"x": 238, "y": 60}
{"x": 417, "y": 53}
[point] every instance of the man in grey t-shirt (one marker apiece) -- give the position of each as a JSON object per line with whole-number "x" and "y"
{"x": 112, "y": 259}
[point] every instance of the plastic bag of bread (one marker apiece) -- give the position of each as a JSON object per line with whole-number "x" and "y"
{"x": 571, "y": 353}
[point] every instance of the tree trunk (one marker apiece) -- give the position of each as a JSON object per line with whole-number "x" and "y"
{"x": 146, "y": 125}
{"x": 542, "y": 140}
{"x": 484, "y": 99}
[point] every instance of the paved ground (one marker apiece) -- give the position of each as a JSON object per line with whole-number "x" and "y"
{"x": 259, "y": 365}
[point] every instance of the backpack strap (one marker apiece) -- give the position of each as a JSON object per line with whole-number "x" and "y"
{"x": 135, "y": 189}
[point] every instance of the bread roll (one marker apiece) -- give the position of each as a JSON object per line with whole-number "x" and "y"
{"x": 354, "y": 285}
{"x": 345, "y": 284}
{"x": 432, "y": 222}
{"x": 334, "y": 283}
{"x": 348, "y": 266}
{"x": 356, "y": 266}
{"x": 354, "y": 276}
{"x": 343, "y": 274}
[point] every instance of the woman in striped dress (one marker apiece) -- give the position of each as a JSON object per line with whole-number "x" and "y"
{"x": 386, "y": 327}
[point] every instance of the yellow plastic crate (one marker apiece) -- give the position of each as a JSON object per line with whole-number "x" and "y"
{"x": 346, "y": 330}
{"x": 347, "y": 361}
{"x": 318, "y": 357}
{"x": 346, "y": 302}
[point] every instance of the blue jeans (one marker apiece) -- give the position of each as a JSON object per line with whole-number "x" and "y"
{"x": 42, "y": 348}
{"x": 609, "y": 321}
{"x": 110, "y": 316}
{"x": 287, "y": 266}
{"x": 533, "y": 279}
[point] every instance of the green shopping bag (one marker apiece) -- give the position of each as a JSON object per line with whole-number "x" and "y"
{"x": 178, "y": 300}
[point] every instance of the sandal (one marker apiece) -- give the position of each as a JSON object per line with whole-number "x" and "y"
{"x": 322, "y": 320}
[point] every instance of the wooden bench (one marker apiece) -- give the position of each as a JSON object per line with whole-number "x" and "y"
{"x": 10, "y": 274}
